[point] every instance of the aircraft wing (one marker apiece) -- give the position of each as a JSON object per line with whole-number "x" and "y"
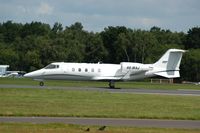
{"x": 132, "y": 74}
{"x": 107, "y": 78}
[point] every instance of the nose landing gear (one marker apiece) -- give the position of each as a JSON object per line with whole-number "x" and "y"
{"x": 41, "y": 83}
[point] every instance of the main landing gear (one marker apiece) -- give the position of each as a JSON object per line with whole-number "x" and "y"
{"x": 41, "y": 83}
{"x": 112, "y": 84}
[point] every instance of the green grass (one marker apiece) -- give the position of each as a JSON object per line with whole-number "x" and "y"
{"x": 46, "y": 102}
{"x": 64, "y": 128}
{"x": 133, "y": 85}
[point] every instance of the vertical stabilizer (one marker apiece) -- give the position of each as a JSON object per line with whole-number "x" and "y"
{"x": 168, "y": 64}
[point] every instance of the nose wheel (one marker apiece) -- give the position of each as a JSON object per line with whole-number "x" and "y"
{"x": 41, "y": 83}
{"x": 112, "y": 84}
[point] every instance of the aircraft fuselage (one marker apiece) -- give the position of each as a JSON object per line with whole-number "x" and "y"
{"x": 167, "y": 66}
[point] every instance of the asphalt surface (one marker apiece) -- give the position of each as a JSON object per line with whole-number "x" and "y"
{"x": 107, "y": 122}
{"x": 137, "y": 91}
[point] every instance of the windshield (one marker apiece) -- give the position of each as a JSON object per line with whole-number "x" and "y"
{"x": 52, "y": 66}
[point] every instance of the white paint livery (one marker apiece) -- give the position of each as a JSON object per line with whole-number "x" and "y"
{"x": 167, "y": 66}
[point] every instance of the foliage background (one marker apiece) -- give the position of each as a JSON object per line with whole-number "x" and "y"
{"x": 31, "y": 46}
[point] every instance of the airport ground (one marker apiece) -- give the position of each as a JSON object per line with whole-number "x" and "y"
{"x": 77, "y": 103}
{"x": 66, "y": 128}
{"x": 131, "y": 85}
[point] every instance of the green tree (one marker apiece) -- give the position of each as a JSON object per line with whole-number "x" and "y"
{"x": 190, "y": 67}
{"x": 57, "y": 27}
{"x": 109, "y": 37}
{"x": 32, "y": 60}
{"x": 77, "y": 26}
{"x": 75, "y": 42}
{"x": 123, "y": 43}
{"x": 94, "y": 49}
{"x": 193, "y": 38}
{"x": 9, "y": 57}
{"x": 35, "y": 28}
{"x": 9, "y": 31}
{"x": 75, "y": 51}
{"x": 167, "y": 37}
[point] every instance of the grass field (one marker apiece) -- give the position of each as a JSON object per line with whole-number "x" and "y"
{"x": 46, "y": 102}
{"x": 133, "y": 85}
{"x": 63, "y": 128}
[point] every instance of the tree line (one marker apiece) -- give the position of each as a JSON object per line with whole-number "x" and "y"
{"x": 31, "y": 46}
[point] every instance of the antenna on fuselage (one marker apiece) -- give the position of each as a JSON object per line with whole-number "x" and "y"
{"x": 100, "y": 62}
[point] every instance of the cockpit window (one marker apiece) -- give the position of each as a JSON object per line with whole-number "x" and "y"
{"x": 52, "y": 66}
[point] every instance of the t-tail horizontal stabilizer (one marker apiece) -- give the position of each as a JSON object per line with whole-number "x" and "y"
{"x": 168, "y": 65}
{"x": 169, "y": 74}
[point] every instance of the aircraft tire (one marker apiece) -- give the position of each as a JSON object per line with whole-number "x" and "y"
{"x": 112, "y": 84}
{"x": 41, "y": 83}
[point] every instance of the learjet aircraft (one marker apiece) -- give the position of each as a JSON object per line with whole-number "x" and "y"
{"x": 167, "y": 66}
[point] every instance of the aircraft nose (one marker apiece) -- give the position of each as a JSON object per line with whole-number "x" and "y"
{"x": 33, "y": 74}
{"x": 28, "y": 75}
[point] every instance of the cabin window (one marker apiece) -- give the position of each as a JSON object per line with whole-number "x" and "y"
{"x": 128, "y": 67}
{"x": 92, "y": 70}
{"x": 86, "y": 70}
{"x": 99, "y": 70}
{"x": 79, "y": 69}
{"x": 73, "y": 69}
{"x": 52, "y": 66}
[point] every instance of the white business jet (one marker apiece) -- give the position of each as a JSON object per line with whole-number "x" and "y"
{"x": 167, "y": 66}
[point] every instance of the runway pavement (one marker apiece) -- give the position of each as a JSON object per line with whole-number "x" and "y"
{"x": 107, "y": 122}
{"x": 137, "y": 91}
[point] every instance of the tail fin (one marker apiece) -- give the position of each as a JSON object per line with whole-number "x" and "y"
{"x": 168, "y": 64}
